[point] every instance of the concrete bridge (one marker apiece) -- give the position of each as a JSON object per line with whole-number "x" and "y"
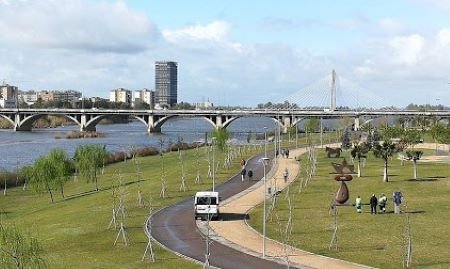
{"x": 87, "y": 119}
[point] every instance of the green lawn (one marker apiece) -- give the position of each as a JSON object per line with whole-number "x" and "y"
{"x": 73, "y": 232}
{"x": 376, "y": 240}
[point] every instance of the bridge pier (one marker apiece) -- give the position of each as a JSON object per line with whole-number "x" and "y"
{"x": 153, "y": 129}
{"x": 19, "y": 128}
{"x": 84, "y": 126}
{"x": 356, "y": 126}
{"x": 286, "y": 123}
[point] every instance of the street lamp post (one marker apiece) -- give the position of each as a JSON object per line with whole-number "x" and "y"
{"x": 213, "y": 164}
{"x": 265, "y": 141}
{"x": 265, "y": 162}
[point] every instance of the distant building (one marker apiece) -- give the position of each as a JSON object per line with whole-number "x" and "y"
{"x": 166, "y": 83}
{"x": 145, "y": 96}
{"x": 68, "y": 96}
{"x": 28, "y": 97}
{"x": 97, "y": 99}
{"x": 120, "y": 95}
{"x": 203, "y": 105}
{"x": 47, "y": 96}
{"x": 8, "y": 96}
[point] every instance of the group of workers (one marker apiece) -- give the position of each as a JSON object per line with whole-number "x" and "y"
{"x": 397, "y": 198}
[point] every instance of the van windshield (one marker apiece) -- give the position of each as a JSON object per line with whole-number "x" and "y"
{"x": 206, "y": 201}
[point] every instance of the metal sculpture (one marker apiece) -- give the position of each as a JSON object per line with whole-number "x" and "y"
{"x": 342, "y": 193}
{"x": 340, "y": 167}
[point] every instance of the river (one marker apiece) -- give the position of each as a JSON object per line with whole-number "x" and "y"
{"x": 22, "y": 148}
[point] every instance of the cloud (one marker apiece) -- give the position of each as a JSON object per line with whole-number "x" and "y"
{"x": 283, "y": 24}
{"x": 436, "y": 3}
{"x": 443, "y": 37}
{"x": 216, "y": 31}
{"x": 79, "y": 25}
{"x": 390, "y": 25}
{"x": 407, "y": 49}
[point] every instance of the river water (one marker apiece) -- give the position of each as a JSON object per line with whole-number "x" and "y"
{"x": 22, "y": 148}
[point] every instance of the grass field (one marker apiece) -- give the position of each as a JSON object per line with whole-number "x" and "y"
{"x": 73, "y": 232}
{"x": 375, "y": 240}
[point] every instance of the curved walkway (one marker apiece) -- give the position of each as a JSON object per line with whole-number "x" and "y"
{"x": 175, "y": 229}
{"x": 239, "y": 235}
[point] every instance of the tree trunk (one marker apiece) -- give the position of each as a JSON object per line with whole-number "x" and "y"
{"x": 62, "y": 191}
{"x": 415, "y": 168}
{"x": 359, "y": 167}
{"x": 50, "y": 192}
{"x": 385, "y": 176}
{"x": 96, "y": 181}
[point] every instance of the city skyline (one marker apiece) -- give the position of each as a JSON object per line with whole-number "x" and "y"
{"x": 232, "y": 53}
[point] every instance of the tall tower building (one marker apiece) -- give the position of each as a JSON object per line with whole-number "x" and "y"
{"x": 166, "y": 83}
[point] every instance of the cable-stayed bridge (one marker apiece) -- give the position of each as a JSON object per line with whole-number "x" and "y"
{"x": 334, "y": 92}
{"x": 323, "y": 99}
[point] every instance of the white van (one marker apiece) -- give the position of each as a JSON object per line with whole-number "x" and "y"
{"x": 206, "y": 204}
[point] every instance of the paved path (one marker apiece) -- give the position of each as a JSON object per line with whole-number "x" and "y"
{"x": 239, "y": 235}
{"x": 175, "y": 229}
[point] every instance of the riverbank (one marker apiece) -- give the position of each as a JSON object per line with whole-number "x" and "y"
{"x": 78, "y": 225}
{"x": 17, "y": 177}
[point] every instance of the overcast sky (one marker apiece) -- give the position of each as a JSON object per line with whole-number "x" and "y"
{"x": 233, "y": 52}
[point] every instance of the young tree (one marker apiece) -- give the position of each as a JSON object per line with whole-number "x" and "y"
{"x": 17, "y": 251}
{"x": 89, "y": 159}
{"x": 384, "y": 151}
{"x": 414, "y": 155}
{"x": 437, "y": 131}
{"x": 221, "y": 136}
{"x": 63, "y": 167}
{"x": 408, "y": 138}
{"x": 312, "y": 125}
{"x": 43, "y": 175}
{"x": 390, "y": 132}
{"x": 346, "y": 139}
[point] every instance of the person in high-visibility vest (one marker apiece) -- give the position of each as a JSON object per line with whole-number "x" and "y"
{"x": 358, "y": 204}
{"x": 382, "y": 203}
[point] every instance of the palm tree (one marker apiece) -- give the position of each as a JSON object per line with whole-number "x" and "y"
{"x": 384, "y": 151}
{"x": 414, "y": 155}
{"x": 359, "y": 152}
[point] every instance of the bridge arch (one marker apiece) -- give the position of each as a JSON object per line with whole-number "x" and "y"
{"x": 8, "y": 119}
{"x": 26, "y": 124}
{"x": 160, "y": 122}
{"x": 91, "y": 124}
{"x": 229, "y": 121}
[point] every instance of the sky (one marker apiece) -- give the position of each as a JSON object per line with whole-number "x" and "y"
{"x": 385, "y": 53}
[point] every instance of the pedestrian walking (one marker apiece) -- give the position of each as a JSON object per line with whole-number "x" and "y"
{"x": 373, "y": 204}
{"x": 398, "y": 200}
{"x": 287, "y": 153}
{"x": 243, "y": 173}
{"x": 358, "y": 204}
{"x": 382, "y": 203}
{"x": 285, "y": 174}
{"x": 250, "y": 174}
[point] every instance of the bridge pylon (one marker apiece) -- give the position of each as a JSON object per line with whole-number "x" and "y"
{"x": 333, "y": 91}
